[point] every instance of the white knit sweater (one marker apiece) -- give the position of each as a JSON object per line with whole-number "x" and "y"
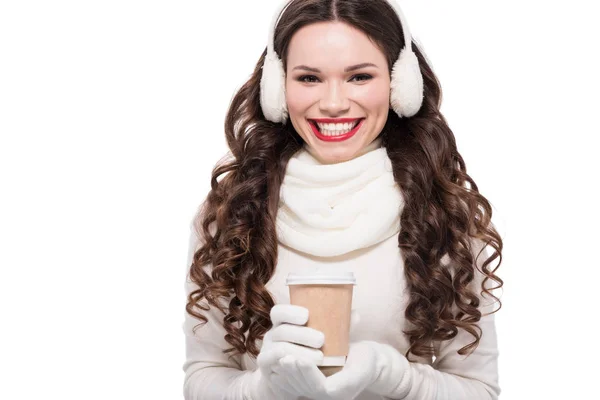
{"x": 380, "y": 295}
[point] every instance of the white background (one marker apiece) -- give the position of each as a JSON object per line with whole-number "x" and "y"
{"x": 111, "y": 119}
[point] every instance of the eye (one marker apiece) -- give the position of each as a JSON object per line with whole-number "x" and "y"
{"x": 366, "y": 76}
{"x": 304, "y": 77}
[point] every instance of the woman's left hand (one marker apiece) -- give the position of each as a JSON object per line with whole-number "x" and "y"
{"x": 360, "y": 371}
{"x": 369, "y": 366}
{"x": 303, "y": 376}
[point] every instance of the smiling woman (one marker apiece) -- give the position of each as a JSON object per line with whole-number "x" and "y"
{"x": 365, "y": 178}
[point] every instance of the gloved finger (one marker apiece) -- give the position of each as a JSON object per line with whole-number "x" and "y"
{"x": 278, "y": 350}
{"x": 356, "y": 374}
{"x": 312, "y": 376}
{"x": 285, "y": 377}
{"x": 282, "y": 382}
{"x": 345, "y": 384}
{"x": 308, "y": 386}
{"x": 288, "y": 313}
{"x": 286, "y": 367}
{"x": 298, "y": 334}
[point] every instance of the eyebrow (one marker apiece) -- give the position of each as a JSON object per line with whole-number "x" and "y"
{"x": 347, "y": 69}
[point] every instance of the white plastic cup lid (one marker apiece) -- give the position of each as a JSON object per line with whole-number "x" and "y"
{"x": 321, "y": 278}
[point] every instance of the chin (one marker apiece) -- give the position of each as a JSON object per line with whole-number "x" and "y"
{"x": 329, "y": 156}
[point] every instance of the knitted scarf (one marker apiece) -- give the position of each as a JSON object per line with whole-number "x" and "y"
{"x": 332, "y": 209}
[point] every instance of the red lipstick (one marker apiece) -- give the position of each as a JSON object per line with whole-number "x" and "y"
{"x": 338, "y": 138}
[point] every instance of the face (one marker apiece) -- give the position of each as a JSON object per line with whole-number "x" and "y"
{"x": 319, "y": 86}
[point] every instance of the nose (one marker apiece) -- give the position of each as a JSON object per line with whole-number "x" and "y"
{"x": 334, "y": 100}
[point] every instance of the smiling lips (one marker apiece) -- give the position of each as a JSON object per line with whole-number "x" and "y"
{"x": 332, "y": 132}
{"x": 335, "y": 126}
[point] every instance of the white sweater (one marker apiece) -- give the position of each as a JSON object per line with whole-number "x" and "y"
{"x": 380, "y": 298}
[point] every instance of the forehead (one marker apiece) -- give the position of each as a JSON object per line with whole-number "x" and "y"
{"x": 331, "y": 46}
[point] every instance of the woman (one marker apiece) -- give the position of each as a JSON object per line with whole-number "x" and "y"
{"x": 383, "y": 194}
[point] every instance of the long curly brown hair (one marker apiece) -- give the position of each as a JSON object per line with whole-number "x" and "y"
{"x": 444, "y": 213}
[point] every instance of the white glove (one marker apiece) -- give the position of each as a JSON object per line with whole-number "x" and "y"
{"x": 282, "y": 348}
{"x": 372, "y": 366}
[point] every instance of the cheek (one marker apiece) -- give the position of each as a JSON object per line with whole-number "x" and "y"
{"x": 373, "y": 96}
{"x": 298, "y": 98}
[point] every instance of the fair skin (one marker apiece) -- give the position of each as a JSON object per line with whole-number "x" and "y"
{"x": 333, "y": 93}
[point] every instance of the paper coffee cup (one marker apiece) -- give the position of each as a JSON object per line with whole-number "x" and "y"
{"x": 328, "y": 298}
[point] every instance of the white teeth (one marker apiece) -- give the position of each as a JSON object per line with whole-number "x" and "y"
{"x": 335, "y": 133}
{"x": 336, "y": 129}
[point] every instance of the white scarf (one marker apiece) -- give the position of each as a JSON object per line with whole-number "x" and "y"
{"x": 332, "y": 209}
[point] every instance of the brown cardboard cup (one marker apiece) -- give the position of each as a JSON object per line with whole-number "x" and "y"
{"x": 328, "y": 298}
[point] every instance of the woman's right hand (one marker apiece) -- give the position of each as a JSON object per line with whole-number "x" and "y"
{"x": 288, "y": 337}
